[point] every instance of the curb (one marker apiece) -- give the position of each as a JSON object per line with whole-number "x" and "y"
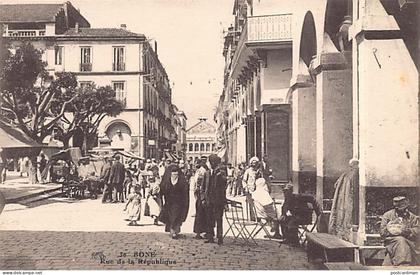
{"x": 29, "y": 196}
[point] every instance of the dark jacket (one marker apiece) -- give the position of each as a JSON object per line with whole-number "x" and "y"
{"x": 213, "y": 190}
{"x": 117, "y": 173}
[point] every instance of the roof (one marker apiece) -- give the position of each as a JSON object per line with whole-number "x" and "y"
{"x": 12, "y": 137}
{"x": 101, "y": 32}
{"x": 29, "y": 12}
{"x": 202, "y": 127}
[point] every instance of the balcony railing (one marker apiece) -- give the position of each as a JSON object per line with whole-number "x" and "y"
{"x": 118, "y": 67}
{"x": 25, "y": 33}
{"x": 85, "y": 67}
{"x": 269, "y": 28}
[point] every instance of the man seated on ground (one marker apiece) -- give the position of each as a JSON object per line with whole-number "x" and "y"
{"x": 400, "y": 231}
{"x": 265, "y": 206}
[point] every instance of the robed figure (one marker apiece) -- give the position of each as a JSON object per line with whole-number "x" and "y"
{"x": 344, "y": 207}
{"x": 175, "y": 194}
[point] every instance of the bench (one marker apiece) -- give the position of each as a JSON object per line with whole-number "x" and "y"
{"x": 330, "y": 248}
{"x": 372, "y": 254}
{"x": 345, "y": 266}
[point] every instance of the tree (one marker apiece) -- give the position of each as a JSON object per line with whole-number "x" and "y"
{"x": 88, "y": 110}
{"x": 38, "y": 103}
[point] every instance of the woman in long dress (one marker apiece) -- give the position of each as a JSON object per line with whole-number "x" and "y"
{"x": 153, "y": 197}
{"x": 175, "y": 193}
{"x": 133, "y": 206}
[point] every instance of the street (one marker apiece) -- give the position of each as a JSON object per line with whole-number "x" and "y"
{"x": 60, "y": 233}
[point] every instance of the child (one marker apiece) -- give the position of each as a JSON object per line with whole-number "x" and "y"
{"x": 153, "y": 198}
{"x": 133, "y": 206}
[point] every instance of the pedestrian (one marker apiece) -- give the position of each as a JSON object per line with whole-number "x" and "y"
{"x": 153, "y": 197}
{"x": 24, "y": 166}
{"x": 237, "y": 187}
{"x": 230, "y": 179}
{"x": 42, "y": 164}
{"x": 133, "y": 206}
{"x": 174, "y": 190}
{"x": 251, "y": 175}
{"x": 128, "y": 184}
{"x": 200, "y": 220}
{"x": 116, "y": 178}
{"x": 266, "y": 171}
{"x": 162, "y": 166}
{"x": 213, "y": 195}
{"x": 104, "y": 180}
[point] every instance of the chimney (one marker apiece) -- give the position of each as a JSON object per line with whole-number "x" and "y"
{"x": 156, "y": 47}
{"x": 76, "y": 27}
{"x": 123, "y": 26}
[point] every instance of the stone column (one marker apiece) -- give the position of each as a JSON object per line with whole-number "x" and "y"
{"x": 304, "y": 137}
{"x": 334, "y": 122}
{"x": 386, "y": 112}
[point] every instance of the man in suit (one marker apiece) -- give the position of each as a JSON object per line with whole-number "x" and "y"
{"x": 213, "y": 197}
{"x": 116, "y": 179}
{"x": 104, "y": 178}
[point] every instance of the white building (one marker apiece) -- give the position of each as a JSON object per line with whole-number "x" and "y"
{"x": 104, "y": 56}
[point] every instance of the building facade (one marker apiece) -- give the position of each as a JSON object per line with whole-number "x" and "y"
{"x": 201, "y": 140}
{"x": 104, "y": 56}
{"x": 316, "y": 83}
{"x": 180, "y": 124}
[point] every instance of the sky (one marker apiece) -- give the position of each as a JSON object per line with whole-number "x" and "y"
{"x": 189, "y": 34}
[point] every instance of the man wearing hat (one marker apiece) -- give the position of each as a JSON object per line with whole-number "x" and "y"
{"x": 104, "y": 177}
{"x": 400, "y": 231}
{"x": 296, "y": 209}
{"x": 213, "y": 197}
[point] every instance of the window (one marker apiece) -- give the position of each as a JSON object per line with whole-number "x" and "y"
{"x": 85, "y": 59}
{"x": 196, "y": 147}
{"x": 202, "y": 147}
{"x": 118, "y": 61}
{"x": 120, "y": 93}
{"x": 190, "y": 147}
{"x": 208, "y": 147}
{"x": 58, "y": 55}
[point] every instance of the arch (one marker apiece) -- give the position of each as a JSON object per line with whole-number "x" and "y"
{"x": 202, "y": 147}
{"x": 196, "y": 147}
{"x": 190, "y": 147}
{"x": 118, "y": 120}
{"x": 119, "y": 133}
{"x": 308, "y": 41}
{"x": 207, "y": 147}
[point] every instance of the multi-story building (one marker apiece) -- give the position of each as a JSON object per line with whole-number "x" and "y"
{"x": 201, "y": 139}
{"x": 313, "y": 84}
{"x": 180, "y": 125}
{"x": 105, "y": 56}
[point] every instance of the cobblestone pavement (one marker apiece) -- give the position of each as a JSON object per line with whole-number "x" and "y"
{"x": 83, "y": 250}
{"x": 67, "y": 234}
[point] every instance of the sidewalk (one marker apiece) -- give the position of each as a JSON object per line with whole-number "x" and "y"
{"x": 16, "y": 188}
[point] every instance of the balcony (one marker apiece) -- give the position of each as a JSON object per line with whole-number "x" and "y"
{"x": 24, "y": 33}
{"x": 85, "y": 67}
{"x": 118, "y": 67}
{"x": 261, "y": 33}
{"x": 268, "y": 29}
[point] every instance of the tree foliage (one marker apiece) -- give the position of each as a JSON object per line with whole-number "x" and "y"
{"x": 39, "y": 103}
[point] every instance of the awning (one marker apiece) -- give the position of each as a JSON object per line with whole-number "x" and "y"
{"x": 15, "y": 143}
{"x": 171, "y": 156}
{"x": 128, "y": 155}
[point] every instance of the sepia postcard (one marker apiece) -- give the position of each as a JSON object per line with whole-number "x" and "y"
{"x": 209, "y": 135}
